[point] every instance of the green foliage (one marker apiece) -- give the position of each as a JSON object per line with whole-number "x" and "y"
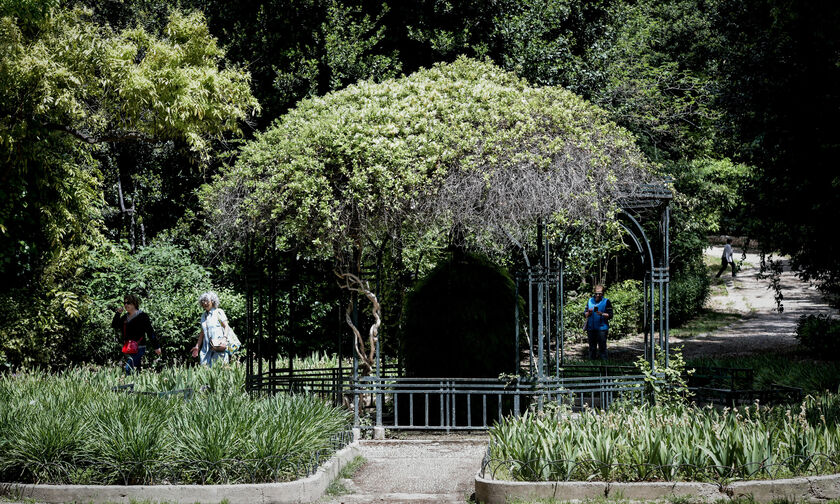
{"x": 103, "y": 86}
{"x": 554, "y": 42}
{"x": 714, "y": 189}
{"x": 628, "y": 307}
{"x": 82, "y": 432}
{"x": 353, "y": 168}
{"x": 666, "y": 381}
{"x": 459, "y": 321}
{"x": 689, "y": 290}
{"x": 168, "y": 283}
{"x": 39, "y": 316}
{"x": 674, "y": 443}
{"x": 163, "y": 275}
{"x": 820, "y": 334}
{"x": 657, "y": 76}
{"x": 299, "y": 49}
{"x": 68, "y": 85}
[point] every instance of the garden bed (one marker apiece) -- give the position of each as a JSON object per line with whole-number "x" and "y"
{"x": 308, "y": 489}
{"x": 801, "y": 489}
{"x": 74, "y": 428}
{"x": 657, "y": 452}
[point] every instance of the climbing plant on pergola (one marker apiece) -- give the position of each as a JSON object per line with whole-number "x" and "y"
{"x": 460, "y": 152}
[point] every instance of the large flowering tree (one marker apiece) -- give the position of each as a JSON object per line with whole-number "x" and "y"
{"x": 462, "y": 151}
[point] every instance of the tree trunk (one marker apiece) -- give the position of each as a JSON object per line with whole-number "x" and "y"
{"x": 366, "y": 351}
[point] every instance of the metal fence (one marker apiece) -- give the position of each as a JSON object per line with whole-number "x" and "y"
{"x": 476, "y": 403}
{"x": 394, "y": 401}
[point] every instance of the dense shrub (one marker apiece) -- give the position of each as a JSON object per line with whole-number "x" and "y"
{"x": 820, "y": 334}
{"x": 78, "y": 430}
{"x": 459, "y": 321}
{"x": 628, "y": 306}
{"x": 689, "y": 291}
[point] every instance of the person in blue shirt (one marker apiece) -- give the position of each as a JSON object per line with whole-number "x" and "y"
{"x": 598, "y": 312}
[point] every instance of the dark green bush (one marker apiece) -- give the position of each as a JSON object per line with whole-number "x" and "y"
{"x": 168, "y": 283}
{"x": 820, "y": 334}
{"x": 689, "y": 291}
{"x": 459, "y": 321}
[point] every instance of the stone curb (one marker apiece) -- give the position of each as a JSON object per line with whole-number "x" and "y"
{"x": 812, "y": 489}
{"x": 308, "y": 489}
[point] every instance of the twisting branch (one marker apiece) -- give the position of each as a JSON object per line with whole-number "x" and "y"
{"x": 366, "y": 356}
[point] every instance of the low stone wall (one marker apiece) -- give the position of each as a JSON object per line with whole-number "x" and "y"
{"x": 812, "y": 489}
{"x": 308, "y": 489}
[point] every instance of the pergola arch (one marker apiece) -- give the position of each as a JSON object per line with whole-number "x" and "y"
{"x": 461, "y": 146}
{"x": 339, "y": 384}
{"x": 546, "y": 279}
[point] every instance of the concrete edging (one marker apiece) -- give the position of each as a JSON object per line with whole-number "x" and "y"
{"x": 307, "y": 489}
{"x": 811, "y": 488}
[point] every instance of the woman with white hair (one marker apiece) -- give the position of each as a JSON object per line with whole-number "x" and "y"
{"x": 214, "y": 325}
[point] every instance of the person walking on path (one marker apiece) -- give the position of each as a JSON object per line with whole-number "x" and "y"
{"x": 134, "y": 325}
{"x": 598, "y": 313}
{"x": 726, "y": 258}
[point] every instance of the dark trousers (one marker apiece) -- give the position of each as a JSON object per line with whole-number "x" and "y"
{"x": 597, "y": 343}
{"x": 133, "y": 360}
{"x": 723, "y": 264}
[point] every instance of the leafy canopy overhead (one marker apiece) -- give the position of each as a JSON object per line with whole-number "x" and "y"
{"x": 75, "y": 76}
{"x": 462, "y": 146}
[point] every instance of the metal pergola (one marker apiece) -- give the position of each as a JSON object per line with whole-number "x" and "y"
{"x": 541, "y": 284}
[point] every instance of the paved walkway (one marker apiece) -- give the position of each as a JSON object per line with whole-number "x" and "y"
{"x": 435, "y": 469}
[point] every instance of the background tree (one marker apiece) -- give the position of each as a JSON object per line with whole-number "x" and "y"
{"x": 780, "y": 92}
{"x": 67, "y": 87}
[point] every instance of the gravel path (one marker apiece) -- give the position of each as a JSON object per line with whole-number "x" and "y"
{"x": 762, "y": 329}
{"x": 435, "y": 469}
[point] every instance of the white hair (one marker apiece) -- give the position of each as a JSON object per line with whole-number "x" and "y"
{"x": 209, "y": 296}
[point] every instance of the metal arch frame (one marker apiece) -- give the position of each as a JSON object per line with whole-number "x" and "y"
{"x": 654, "y": 277}
{"x": 656, "y": 289}
{"x": 262, "y": 278}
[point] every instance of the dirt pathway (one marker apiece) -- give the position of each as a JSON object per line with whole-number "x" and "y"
{"x": 762, "y": 329}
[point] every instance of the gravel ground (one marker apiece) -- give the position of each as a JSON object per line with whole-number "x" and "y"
{"x": 761, "y": 330}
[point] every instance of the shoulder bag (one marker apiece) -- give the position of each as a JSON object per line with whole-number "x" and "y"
{"x": 130, "y": 347}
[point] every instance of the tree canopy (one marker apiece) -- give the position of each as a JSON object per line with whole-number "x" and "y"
{"x": 464, "y": 146}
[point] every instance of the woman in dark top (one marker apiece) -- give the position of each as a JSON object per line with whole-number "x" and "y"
{"x": 135, "y": 325}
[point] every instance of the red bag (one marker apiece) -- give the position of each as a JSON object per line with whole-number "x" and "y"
{"x": 130, "y": 347}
